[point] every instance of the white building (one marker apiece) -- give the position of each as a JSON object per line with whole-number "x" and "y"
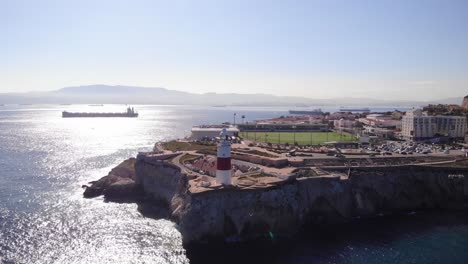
{"x": 417, "y": 125}
{"x": 379, "y": 120}
{"x": 344, "y": 124}
{"x": 380, "y": 132}
{"x": 209, "y": 132}
{"x": 382, "y": 126}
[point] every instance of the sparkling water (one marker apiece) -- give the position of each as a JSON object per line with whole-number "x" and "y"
{"x": 44, "y": 160}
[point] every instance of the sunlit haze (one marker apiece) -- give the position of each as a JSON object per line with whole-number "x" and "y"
{"x": 411, "y": 50}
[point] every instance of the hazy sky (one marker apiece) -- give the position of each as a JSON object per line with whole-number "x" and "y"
{"x": 382, "y": 49}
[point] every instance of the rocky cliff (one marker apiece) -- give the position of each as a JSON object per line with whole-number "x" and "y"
{"x": 160, "y": 180}
{"x": 119, "y": 184}
{"x": 240, "y": 214}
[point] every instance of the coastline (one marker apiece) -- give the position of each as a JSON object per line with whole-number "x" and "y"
{"x": 356, "y": 241}
{"x": 283, "y": 209}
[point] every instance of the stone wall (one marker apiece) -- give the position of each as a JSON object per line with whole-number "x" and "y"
{"x": 265, "y": 161}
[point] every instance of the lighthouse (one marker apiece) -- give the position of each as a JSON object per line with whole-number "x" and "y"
{"x": 223, "y": 163}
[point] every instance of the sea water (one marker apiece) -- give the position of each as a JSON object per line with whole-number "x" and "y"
{"x": 44, "y": 160}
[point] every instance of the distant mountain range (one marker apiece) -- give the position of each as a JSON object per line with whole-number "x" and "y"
{"x": 107, "y": 94}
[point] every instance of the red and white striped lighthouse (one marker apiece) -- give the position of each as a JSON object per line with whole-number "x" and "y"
{"x": 223, "y": 163}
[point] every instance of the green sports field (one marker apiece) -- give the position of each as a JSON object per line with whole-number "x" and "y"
{"x": 302, "y": 138}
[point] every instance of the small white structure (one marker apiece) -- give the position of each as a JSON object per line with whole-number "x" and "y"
{"x": 202, "y": 132}
{"x": 380, "y": 132}
{"x": 344, "y": 124}
{"x": 223, "y": 162}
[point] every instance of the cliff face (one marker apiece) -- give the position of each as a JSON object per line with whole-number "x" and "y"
{"x": 406, "y": 188}
{"x": 232, "y": 214}
{"x": 162, "y": 181}
{"x": 324, "y": 199}
{"x": 282, "y": 210}
{"x": 117, "y": 185}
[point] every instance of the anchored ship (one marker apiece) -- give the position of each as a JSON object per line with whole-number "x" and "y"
{"x": 317, "y": 111}
{"x": 344, "y": 109}
{"x": 130, "y": 113}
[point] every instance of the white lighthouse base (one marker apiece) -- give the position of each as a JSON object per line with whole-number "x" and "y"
{"x": 223, "y": 177}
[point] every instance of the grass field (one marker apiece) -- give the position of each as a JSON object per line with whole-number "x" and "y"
{"x": 302, "y": 138}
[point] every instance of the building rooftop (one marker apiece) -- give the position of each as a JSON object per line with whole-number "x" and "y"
{"x": 414, "y": 112}
{"x": 229, "y": 129}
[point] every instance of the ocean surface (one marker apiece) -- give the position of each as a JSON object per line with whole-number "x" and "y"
{"x": 44, "y": 160}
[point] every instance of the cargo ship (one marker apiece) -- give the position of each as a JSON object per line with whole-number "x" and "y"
{"x": 317, "y": 111}
{"x": 344, "y": 109}
{"x": 130, "y": 113}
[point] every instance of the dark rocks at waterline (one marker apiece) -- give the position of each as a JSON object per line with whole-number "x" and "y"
{"x": 123, "y": 188}
{"x": 92, "y": 191}
{"x": 119, "y": 184}
{"x": 153, "y": 209}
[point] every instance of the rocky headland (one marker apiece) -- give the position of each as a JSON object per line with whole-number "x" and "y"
{"x": 240, "y": 213}
{"x": 118, "y": 184}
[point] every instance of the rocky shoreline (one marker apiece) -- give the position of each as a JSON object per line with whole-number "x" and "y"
{"x": 118, "y": 185}
{"x": 234, "y": 214}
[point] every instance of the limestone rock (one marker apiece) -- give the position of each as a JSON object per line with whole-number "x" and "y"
{"x": 121, "y": 189}
{"x": 91, "y": 192}
{"x": 118, "y": 184}
{"x": 237, "y": 214}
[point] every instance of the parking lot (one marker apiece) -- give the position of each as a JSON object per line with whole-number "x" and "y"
{"x": 411, "y": 148}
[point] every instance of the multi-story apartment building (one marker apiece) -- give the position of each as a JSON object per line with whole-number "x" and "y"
{"x": 417, "y": 125}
